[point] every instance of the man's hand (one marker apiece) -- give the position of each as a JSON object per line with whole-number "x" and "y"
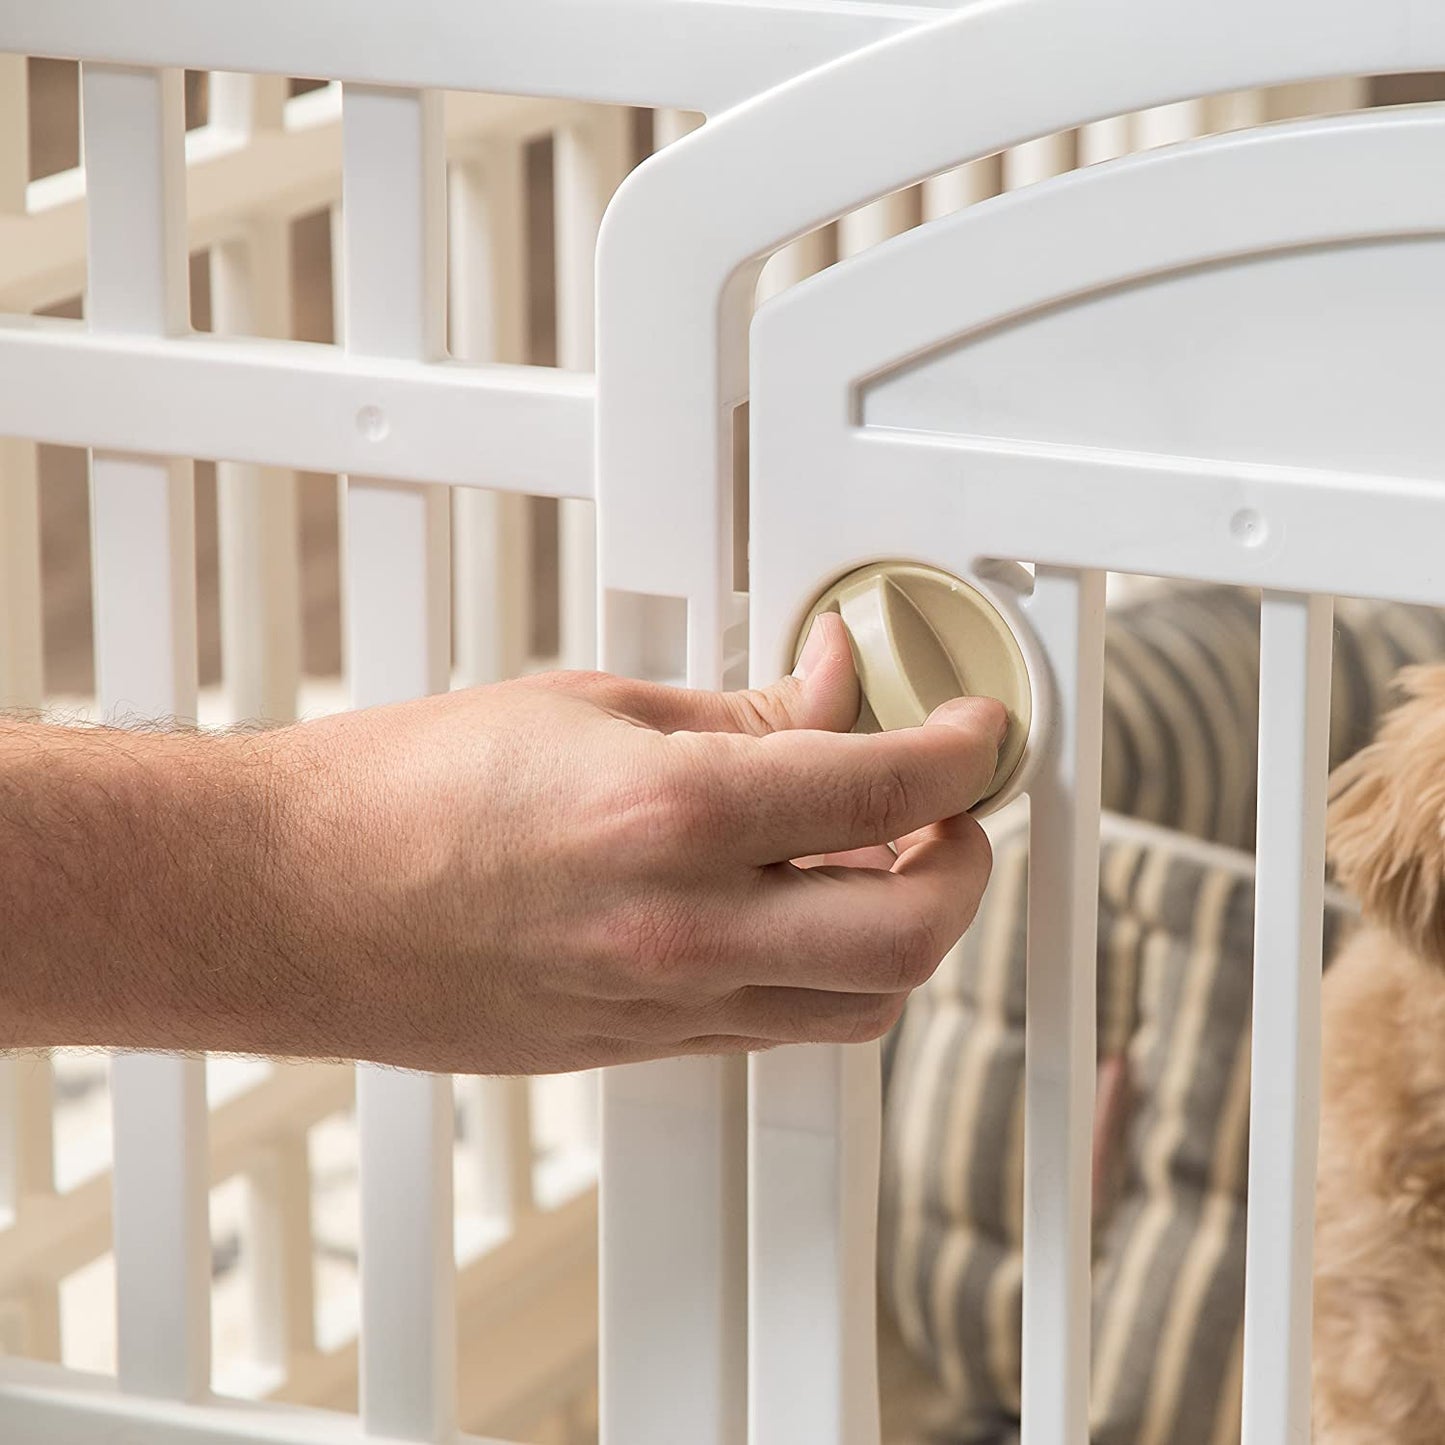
{"x": 547, "y": 874}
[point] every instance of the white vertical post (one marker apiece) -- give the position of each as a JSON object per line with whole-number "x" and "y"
{"x": 671, "y": 125}
{"x": 962, "y": 186}
{"x": 673, "y": 1253}
{"x": 14, "y": 134}
{"x": 20, "y": 647}
{"x": 589, "y": 161}
{"x": 815, "y": 1130}
{"x": 1168, "y": 124}
{"x": 394, "y": 218}
{"x": 143, "y": 544}
{"x": 256, "y": 506}
{"x": 1067, "y": 612}
{"x": 796, "y": 262}
{"x": 27, "y": 1178}
{"x": 491, "y": 540}
{"x": 1037, "y": 160}
{"x": 1103, "y": 140}
{"x": 281, "y": 1272}
{"x": 488, "y": 301}
{"x": 21, "y": 654}
{"x": 1294, "y": 717}
{"x": 887, "y": 216}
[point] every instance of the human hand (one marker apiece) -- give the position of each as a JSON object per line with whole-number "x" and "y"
{"x": 576, "y": 869}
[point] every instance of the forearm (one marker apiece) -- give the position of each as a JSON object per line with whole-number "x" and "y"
{"x": 144, "y": 891}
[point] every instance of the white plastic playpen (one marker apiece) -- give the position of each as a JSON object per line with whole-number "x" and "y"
{"x": 1204, "y": 360}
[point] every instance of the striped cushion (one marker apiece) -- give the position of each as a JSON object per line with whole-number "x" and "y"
{"x": 1175, "y": 958}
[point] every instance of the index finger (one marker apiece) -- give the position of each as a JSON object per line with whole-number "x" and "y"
{"x": 791, "y": 794}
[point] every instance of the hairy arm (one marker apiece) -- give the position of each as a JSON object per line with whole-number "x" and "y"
{"x": 546, "y": 874}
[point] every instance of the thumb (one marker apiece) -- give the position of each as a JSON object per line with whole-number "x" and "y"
{"x": 821, "y": 692}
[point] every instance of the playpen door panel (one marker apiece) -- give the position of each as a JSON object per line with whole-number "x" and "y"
{"x": 889, "y": 400}
{"x": 1326, "y": 358}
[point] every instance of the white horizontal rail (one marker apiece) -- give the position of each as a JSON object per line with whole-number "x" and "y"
{"x": 637, "y": 52}
{"x": 63, "y": 1407}
{"x": 297, "y": 404}
{"x": 1034, "y": 497}
{"x": 229, "y": 179}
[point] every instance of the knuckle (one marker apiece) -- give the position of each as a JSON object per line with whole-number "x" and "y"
{"x": 912, "y": 951}
{"x": 884, "y": 802}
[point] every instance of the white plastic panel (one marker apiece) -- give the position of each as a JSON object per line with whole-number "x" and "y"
{"x": 877, "y": 433}
{"x": 1294, "y": 735}
{"x": 398, "y": 602}
{"x": 143, "y": 540}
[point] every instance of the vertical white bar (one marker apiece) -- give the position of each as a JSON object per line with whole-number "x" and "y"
{"x": 499, "y": 1127}
{"x": 143, "y": 545}
{"x": 21, "y": 654}
{"x": 1168, "y": 124}
{"x": 1294, "y": 718}
{"x": 673, "y": 1253}
{"x": 246, "y": 104}
{"x": 1067, "y": 612}
{"x": 880, "y": 219}
{"x": 796, "y": 262}
{"x": 20, "y": 645}
{"x": 1037, "y": 160}
{"x": 962, "y": 186}
{"x": 1235, "y": 110}
{"x": 671, "y": 125}
{"x": 1103, "y": 140}
{"x": 815, "y": 1128}
{"x": 257, "y": 518}
{"x": 589, "y": 161}
{"x": 14, "y": 134}
{"x": 491, "y": 549}
{"x": 394, "y": 219}
{"x": 488, "y": 299}
{"x": 280, "y": 1274}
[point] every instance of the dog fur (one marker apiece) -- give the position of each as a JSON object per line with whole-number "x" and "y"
{"x": 1379, "y": 1275}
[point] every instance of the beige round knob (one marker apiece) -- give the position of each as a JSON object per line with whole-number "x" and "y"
{"x": 920, "y": 637}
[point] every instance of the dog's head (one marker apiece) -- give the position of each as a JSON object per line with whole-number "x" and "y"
{"x": 1387, "y": 818}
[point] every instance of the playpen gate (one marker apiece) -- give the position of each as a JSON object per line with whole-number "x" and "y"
{"x": 952, "y": 397}
{"x": 885, "y": 422}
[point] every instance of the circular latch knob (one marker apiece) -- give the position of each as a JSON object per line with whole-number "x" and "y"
{"x": 920, "y": 637}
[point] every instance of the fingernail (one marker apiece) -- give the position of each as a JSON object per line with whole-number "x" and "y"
{"x": 813, "y": 650}
{"x": 970, "y": 711}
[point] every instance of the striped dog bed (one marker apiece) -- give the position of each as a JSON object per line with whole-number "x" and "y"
{"x": 1175, "y": 963}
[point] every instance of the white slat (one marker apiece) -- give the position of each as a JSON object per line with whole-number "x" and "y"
{"x": 143, "y": 541}
{"x": 14, "y": 134}
{"x": 256, "y": 506}
{"x": 1067, "y": 612}
{"x": 962, "y": 186}
{"x": 397, "y": 554}
{"x": 491, "y": 532}
{"x": 1168, "y": 124}
{"x": 885, "y": 217}
{"x": 20, "y": 643}
{"x": 1294, "y": 718}
{"x": 815, "y": 1130}
{"x": 1037, "y": 160}
{"x": 796, "y": 262}
{"x": 674, "y": 1242}
{"x": 280, "y": 1270}
{"x": 589, "y": 161}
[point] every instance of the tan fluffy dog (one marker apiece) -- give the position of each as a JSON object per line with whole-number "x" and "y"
{"x": 1379, "y": 1322}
